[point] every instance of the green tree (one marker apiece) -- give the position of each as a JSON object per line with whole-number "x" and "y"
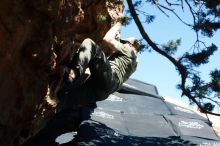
{"x": 205, "y": 22}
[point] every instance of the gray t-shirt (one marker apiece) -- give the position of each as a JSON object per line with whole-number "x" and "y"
{"x": 123, "y": 63}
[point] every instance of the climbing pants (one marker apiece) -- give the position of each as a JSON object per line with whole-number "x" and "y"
{"x": 102, "y": 80}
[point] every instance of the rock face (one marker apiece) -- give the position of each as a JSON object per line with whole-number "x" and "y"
{"x": 37, "y": 38}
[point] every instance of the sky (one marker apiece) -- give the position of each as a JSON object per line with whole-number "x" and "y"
{"x": 156, "y": 69}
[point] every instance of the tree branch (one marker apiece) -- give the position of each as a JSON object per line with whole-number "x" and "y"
{"x": 172, "y": 10}
{"x": 194, "y": 18}
{"x": 171, "y": 4}
{"x": 180, "y": 67}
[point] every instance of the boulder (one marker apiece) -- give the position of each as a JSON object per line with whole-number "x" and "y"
{"x": 38, "y": 38}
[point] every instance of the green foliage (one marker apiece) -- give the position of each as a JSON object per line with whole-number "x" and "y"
{"x": 149, "y": 18}
{"x": 103, "y": 19}
{"x": 197, "y": 85}
{"x": 208, "y": 106}
{"x": 144, "y": 46}
{"x": 199, "y": 88}
{"x": 138, "y": 3}
{"x": 207, "y": 27}
{"x": 201, "y": 57}
{"x": 125, "y": 20}
{"x": 119, "y": 1}
{"x": 205, "y": 22}
{"x": 215, "y": 83}
{"x": 207, "y": 18}
{"x": 212, "y": 4}
{"x": 171, "y": 46}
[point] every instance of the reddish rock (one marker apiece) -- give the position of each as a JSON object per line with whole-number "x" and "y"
{"x": 36, "y": 39}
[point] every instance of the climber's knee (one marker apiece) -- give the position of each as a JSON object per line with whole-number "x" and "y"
{"x": 88, "y": 41}
{"x": 88, "y": 45}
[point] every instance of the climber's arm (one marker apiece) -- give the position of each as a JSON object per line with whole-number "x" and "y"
{"x": 112, "y": 37}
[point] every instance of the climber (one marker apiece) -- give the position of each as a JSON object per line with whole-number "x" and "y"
{"x": 107, "y": 73}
